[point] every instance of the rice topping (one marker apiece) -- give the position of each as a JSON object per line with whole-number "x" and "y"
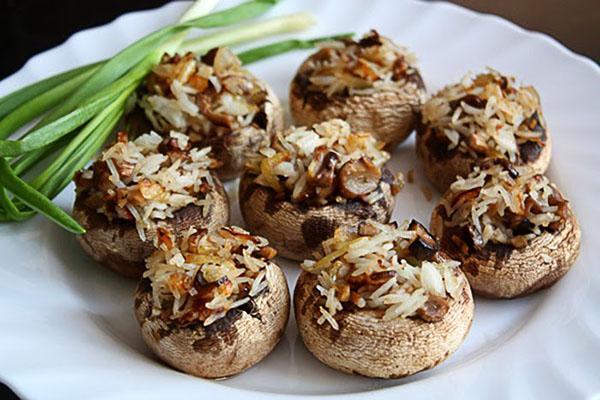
{"x": 388, "y": 267}
{"x": 347, "y": 67}
{"x": 324, "y": 164}
{"x": 207, "y": 98}
{"x": 486, "y": 116}
{"x": 202, "y": 276}
{"x": 499, "y": 204}
{"x": 147, "y": 180}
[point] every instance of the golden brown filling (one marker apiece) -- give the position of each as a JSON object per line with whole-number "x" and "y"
{"x": 202, "y": 276}
{"x": 484, "y": 116}
{"x": 385, "y": 267}
{"x": 324, "y": 164}
{"x": 147, "y": 180}
{"x": 498, "y": 204}
{"x": 348, "y": 67}
{"x": 205, "y": 98}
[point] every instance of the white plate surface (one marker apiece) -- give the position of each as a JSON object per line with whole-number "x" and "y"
{"x": 67, "y": 328}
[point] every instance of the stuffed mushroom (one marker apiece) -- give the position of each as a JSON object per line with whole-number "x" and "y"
{"x": 382, "y": 301}
{"x": 212, "y": 304}
{"x": 478, "y": 118}
{"x": 215, "y": 102}
{"x": 371, "y": 83}
{"x": 512, "y": 229}
{"x": 312, "y": 180}
{"x": 137, "y": 186}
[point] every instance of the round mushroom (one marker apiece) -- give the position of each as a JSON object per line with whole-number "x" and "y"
{"x": 137, "y": 187}
{"x": 212, "y": 305}
{"x": 373, "y": 84}
{"x": 382, "y": 302}
{"x": 478, "y": 118}
{"x": 512, "y": 230}
{"x": 313, "y": 180}
{"x": 214, "y": 101}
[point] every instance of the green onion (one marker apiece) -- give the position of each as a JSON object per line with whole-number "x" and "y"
{"x": 41, "y": 103}
{"x": 249, "y": 31}
{"x": 35, "y": 200}
{"x": 284, "y": 46}
{"x": 83, "y": 106}
{"x": 13, "y": 100}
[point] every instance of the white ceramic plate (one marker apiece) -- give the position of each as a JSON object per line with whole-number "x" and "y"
{"x": 67, "y": 328}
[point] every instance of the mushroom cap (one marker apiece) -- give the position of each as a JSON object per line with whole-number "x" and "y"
{"x": 117, "y": 245}
{"x": 508, "y": 273}
{"x": 229, "y": 345}
{"x": 441, "y": 172}
{"x": 296, "y": 230}
{"x": 368, "y": 346}
{"x": 233, "y": 149}
{"x": 390, "y": 114}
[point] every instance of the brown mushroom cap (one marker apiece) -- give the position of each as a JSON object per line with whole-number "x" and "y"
{"x": 228, "y": 346}
{"x": 390, "y": 115}
{"x": 233, "y": 149}
{"x": 507, "y": 273}
{"x": 441, "y": 172}
{"x": 117, "y": 245}
{"x": 366, "y": 345}
{"x": 297, "y": 231}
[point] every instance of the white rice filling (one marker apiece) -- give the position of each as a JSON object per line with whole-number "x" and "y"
{"x": 210, "y": 259}
{"x": 400, "y": 296}
{"x": 165, "y": 186}
{"x": 498, "y": 126}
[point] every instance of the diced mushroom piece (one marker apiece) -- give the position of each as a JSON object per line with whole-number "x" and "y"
{"x": 424, "y": 246}
{"x": 367, "y": 229}
{"x": 477, "y": 144}
{"x": 358, "y": 178}
{"x": 321, "y": 171}
{"x": 465, "y": 197}
{"x": 379, "y": 278}
{"x": 434, "y": 309}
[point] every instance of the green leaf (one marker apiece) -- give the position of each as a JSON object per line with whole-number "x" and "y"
{"x": 93, "y": 132}
{"x": 55, "y": 130}
{"x": 11, "y": 209}
{"x": 135, "y": 53}
{"x": 273, "y": 49}
{"x": 13, "y": 100}
{"x": 36, "y": 200}
{"x": 40, "y": 104}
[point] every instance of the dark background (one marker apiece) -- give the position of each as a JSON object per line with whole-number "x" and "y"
{"x": 29, "y": 27}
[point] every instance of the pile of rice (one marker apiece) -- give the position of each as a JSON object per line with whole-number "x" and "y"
{"x": 205, "y": 98}
{"x": 377, "y": 271}
{"x": 303, "y": 163}
{"x": 135, "y": 180}
{"x": 502, "y": 204}
{"x": 202, "y": 276}
{"x": 359, "y": 68}
{"x": 486, "y": 115}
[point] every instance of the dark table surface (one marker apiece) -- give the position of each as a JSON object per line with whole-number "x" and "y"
{"x": 29, "y": 27}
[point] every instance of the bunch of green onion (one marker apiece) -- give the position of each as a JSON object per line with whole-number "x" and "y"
{"x": 77, "y": 111}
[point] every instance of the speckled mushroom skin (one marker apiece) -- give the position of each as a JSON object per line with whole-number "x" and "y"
{"x": 117, "y": 245}
{"x": 233, "y": 150}
{"x": 368, "y": 346}
{"x": 228, "y": 346}
{"x": 442, "y": 172}
{"x": 519, "y": 272}
{"x": 297, "y": 231}
{"x": 390, "y": 115}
